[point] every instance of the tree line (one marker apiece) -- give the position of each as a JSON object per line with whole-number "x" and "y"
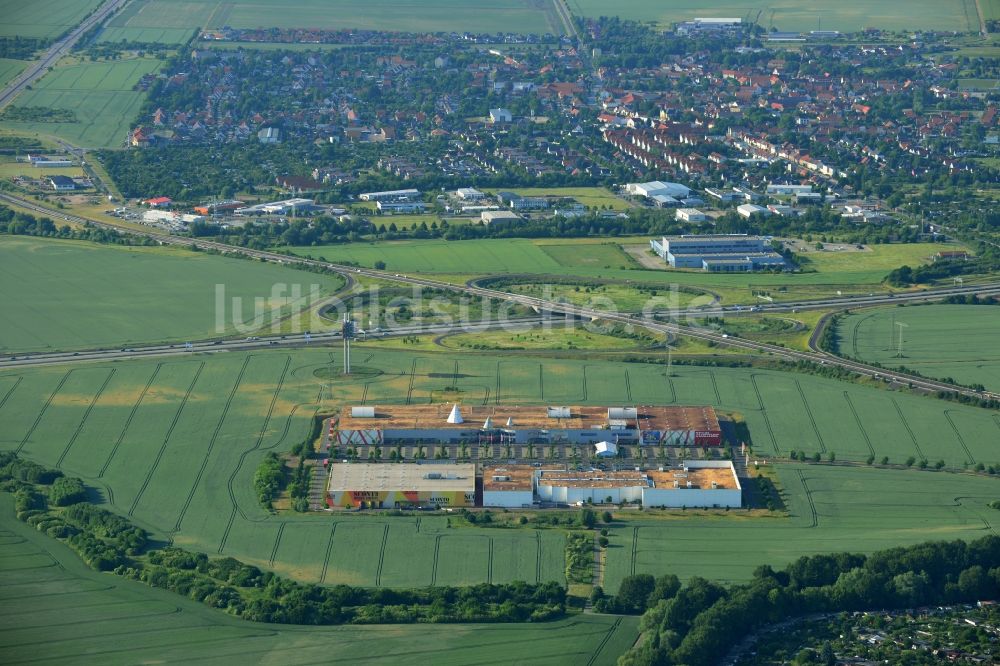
{"x": 697, "y": 624}
{"x": 58, "y": 506}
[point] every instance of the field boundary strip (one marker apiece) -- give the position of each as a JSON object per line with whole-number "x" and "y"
{"x": 812, "y": 419}
{"x": 961, "y": 440}
{"x": 857, "y": 419}
{"x": 128, "y": 420}
{"x": 211, "y": 443}
{"x": 243, "y": 456}
{"x": 86, "y": 414}
{"x": 41, "y": 412}
{"x": 166, "y": 439}
{"x": 913, "y": 437}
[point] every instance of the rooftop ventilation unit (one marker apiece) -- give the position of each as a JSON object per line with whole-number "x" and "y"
{"x": 498, "y": 477}
{"x": 363, "y": 412}
{"x": 620, "y": 413}
{"x": 432, "y": 475}
{"x": 559, "y": 412}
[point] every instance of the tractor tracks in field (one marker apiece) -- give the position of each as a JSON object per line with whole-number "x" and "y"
{"x": 673, "y": 390}
{"x": 437, "y": 555}
{"x": 913, "y": 437}
{"x": 211, "y": 443}
{"x": 413, "y": 376}
{"x": 86, "y": 414}
{"x": 538, "y": 557}
{"x": 635, "y": 550}
{"x": 812, "y": 419}
{"x": 41, "y": 412}
{"x": 961, "y": 440}
{"x": 715, "y": 388}
{"x": 489, "y": 570}
{"x": 329, "y": 551}
{"x": 128, "y": 420}
{"x": 17, "y": 383}
{"x": 381, "y": 556}
{"x": 763, "y": 412}
{"x": 604, "y": 641}
{"x": 814, "y": 515}
{"x": 166, "y": 439}
{"x": 277, "y": 540}
{"x": 243, "y": 456}
{"x": 857, "y": 419}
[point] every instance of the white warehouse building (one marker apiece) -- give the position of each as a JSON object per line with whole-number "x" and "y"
{"x": 696, "y": 483}
{"x": 658, "y": 188}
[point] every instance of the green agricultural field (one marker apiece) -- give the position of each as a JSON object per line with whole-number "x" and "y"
{"x": 119, "y": 621}
{"x": 991, "y": 9}
{"x": 9, "y": 69}
{"x": 957, "y": 341}
{"x": 846, "y": 16}
{"x": 42, "y": 19}
{"x": 829, "y": 272}
{"x": 171, "y": 21}
{"x": 158, "y": 21}
{"x": 99, "y": 94}
{"x": 832, "y": 509}
{"x": 174, "y": 443}
{"x": 103, "y": 295}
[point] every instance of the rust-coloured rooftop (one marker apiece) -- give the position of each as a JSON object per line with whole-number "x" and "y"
{"x": 435, "y": 416}
{"x": 701, "y": 477}
{"x": 593, "y": 478}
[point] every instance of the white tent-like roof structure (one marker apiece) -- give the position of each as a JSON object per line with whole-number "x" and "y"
{"x": 455, "y": 416}
{"x": 607, "y": 449}
{"x": 510, "y": 421}
{"x": 488, "y": 423}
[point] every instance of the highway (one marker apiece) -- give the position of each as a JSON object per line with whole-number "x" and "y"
{"x": 249, "y": 343}
{"x": 540, "y": 305}
{"x": 37, "y": 68}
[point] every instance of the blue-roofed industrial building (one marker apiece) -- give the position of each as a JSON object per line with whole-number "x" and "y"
{"x": 730, "y": 253}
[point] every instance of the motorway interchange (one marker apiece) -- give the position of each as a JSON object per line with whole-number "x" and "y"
{"x": 537, "y": 304}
